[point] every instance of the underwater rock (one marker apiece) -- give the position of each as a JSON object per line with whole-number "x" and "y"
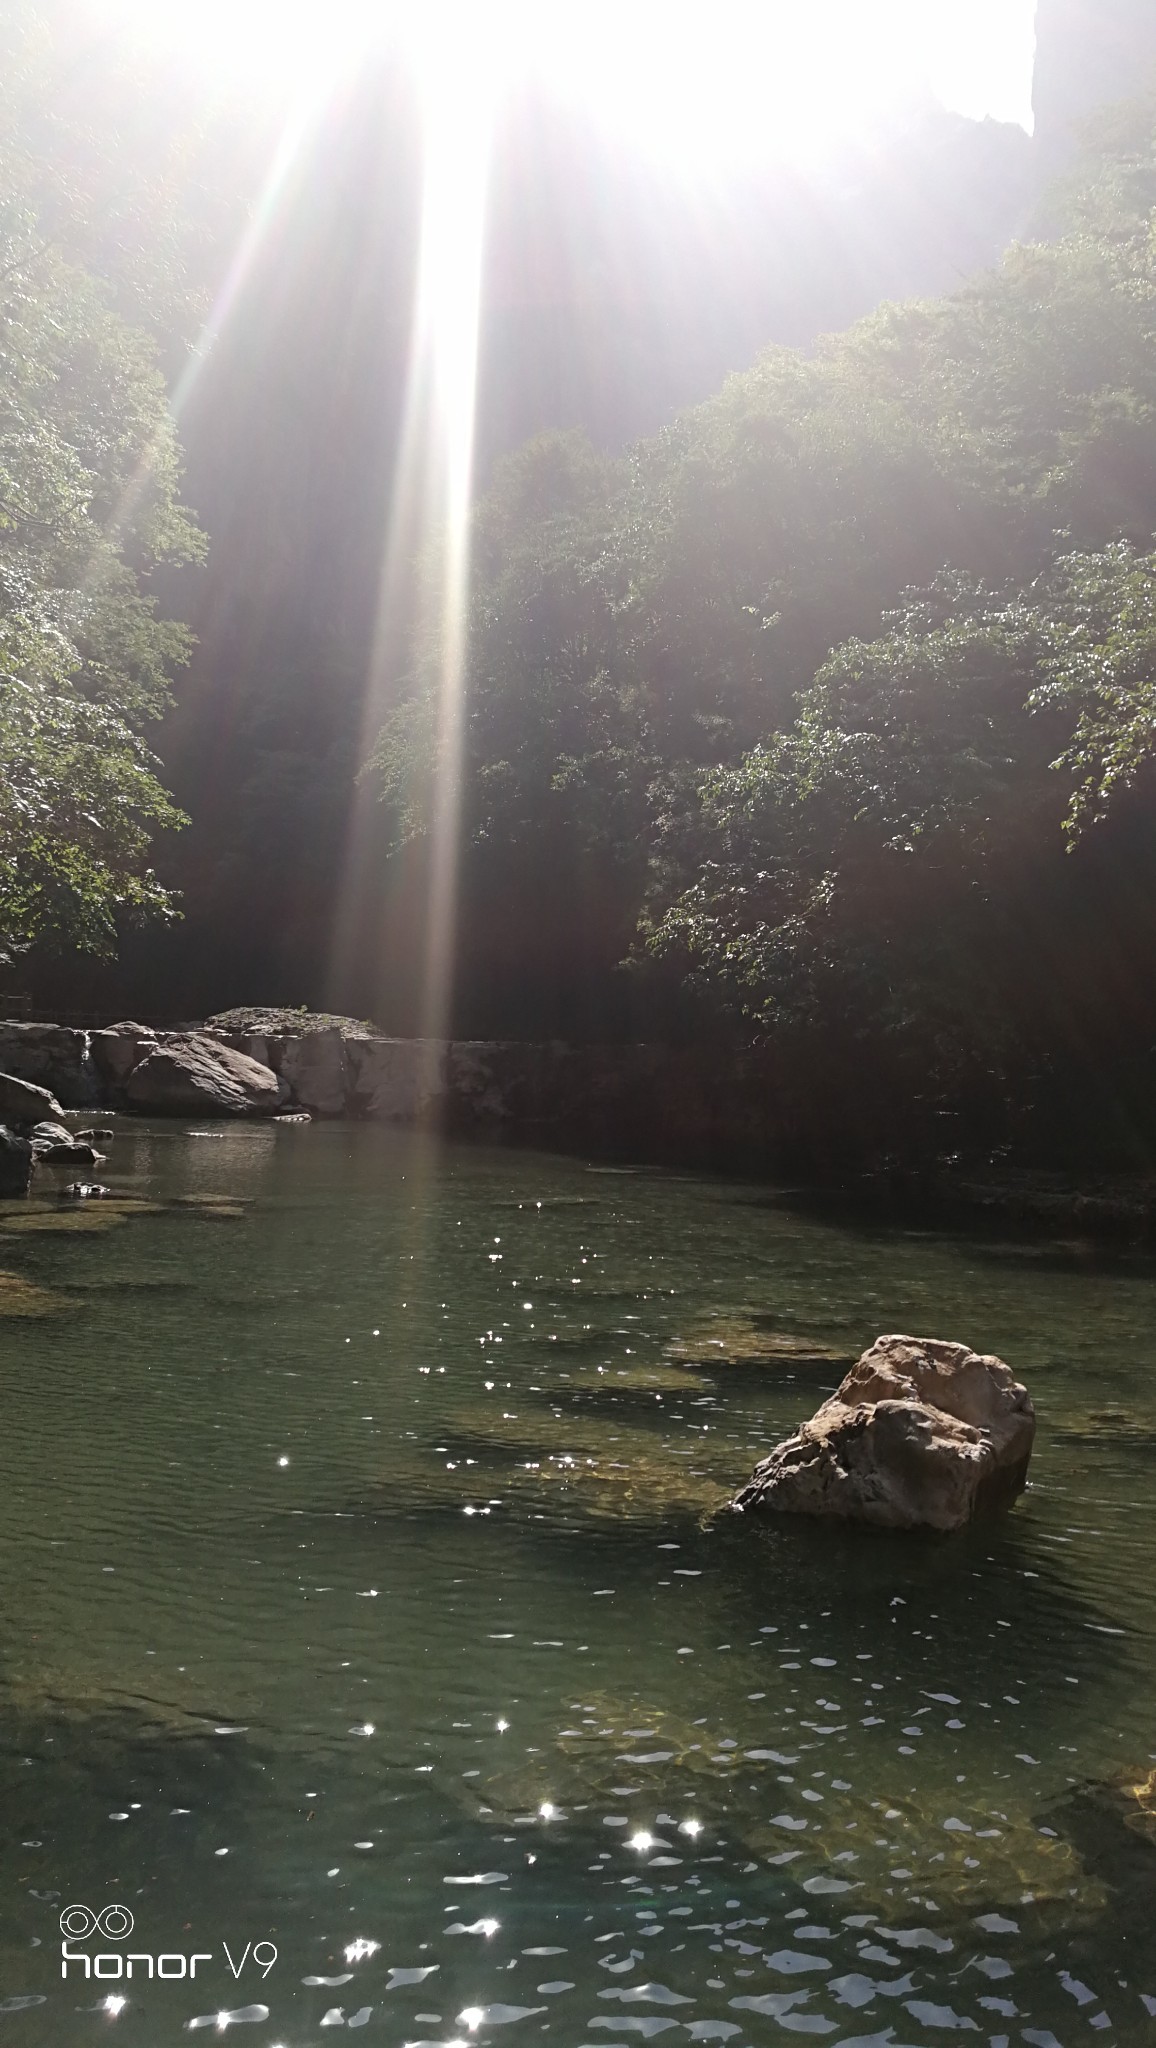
{"x": 16, "y": 1162}
{"x": 195, "y": 1075}
{"x": 750, "y": 1340}
{"x": 921, "y": 1434}
{"x": 19, "y": 1297}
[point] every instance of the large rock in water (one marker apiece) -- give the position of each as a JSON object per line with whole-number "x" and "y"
{"x": 922, "y": 1434}
{"x": 198, "y": 1076}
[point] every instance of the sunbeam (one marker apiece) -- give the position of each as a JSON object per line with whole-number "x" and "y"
{"x": 446, "y": 341}
{"x": 424, "y": 582}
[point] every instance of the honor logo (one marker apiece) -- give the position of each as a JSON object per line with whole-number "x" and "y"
{"x": 116, "y": 1923}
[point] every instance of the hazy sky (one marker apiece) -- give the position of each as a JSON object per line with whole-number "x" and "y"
{"x": 695, "y": 80}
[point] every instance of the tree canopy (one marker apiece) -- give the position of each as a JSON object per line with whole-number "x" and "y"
{"x": 846, "y": 677}
{"x": 89, "y": 470}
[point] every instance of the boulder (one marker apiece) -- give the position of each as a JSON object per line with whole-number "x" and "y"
{"x": 53, "y": 1057}
{"x": 922, "y": 1434}
{"x": 23, "y": 1102}
{"x": 316, "y": 1069}
{"x": 43, "y": 1135}
{"x": 16, "y": 1162}
{"x": 52, "y": 1145}
{"x": 192, "y": 1075}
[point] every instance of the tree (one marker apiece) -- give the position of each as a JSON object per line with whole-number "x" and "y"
{"x": 88, "y": 508}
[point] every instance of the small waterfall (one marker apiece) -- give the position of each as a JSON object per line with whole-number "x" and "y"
{"x": 90, "y": 1085}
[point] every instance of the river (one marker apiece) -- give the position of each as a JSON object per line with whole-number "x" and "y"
{"x": 369, "y": 1633}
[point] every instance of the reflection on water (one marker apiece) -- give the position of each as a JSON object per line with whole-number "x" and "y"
{"x": 363, "y": 1601}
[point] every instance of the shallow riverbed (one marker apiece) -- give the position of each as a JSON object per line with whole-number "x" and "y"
{"x": 362, "y": 1602}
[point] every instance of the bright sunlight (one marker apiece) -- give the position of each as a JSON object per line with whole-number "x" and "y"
{"x": 668, "y": 74}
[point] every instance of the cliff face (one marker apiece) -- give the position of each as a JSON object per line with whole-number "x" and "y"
{"x": 1088, "y": 53}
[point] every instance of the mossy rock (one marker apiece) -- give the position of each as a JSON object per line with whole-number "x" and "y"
{"x": 749, "y": 1339}
{"x": 606, "y": 1466}
{"x": 265, "y": 1022}
{"x": 659, "y": 1378}
{"x": 73, "y": 1218}
{"x": 731, "y": 1781}
{"x": 611, "y": 1741}
{"x": 1134, "y": 1799}
{"x": 19, "y": 1297}
{"x": 86, "y": 1219}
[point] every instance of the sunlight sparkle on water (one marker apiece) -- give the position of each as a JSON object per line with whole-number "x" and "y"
{"x": 359, "y": 1950}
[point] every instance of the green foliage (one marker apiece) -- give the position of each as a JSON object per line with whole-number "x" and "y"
{"x": 1101, "y": 664}
{"x": 556, "y": 746}
{"x": 841, "y": 662}
{"x": 88, "y": 506}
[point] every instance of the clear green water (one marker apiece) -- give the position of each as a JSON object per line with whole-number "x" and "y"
{"x": 358, "y": 1597}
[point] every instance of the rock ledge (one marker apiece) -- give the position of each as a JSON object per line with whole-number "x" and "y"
{"x": 921, "y": 1434}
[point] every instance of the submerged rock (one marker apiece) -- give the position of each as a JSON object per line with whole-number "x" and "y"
{"x": 199, "y": 1076}
{"x": 747, "y": 1339}
{"x": 921, "y": 1434}
{"x": 20, "y": 1297}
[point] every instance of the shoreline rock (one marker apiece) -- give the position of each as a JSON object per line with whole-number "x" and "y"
{"x": 922, "y": 1434}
